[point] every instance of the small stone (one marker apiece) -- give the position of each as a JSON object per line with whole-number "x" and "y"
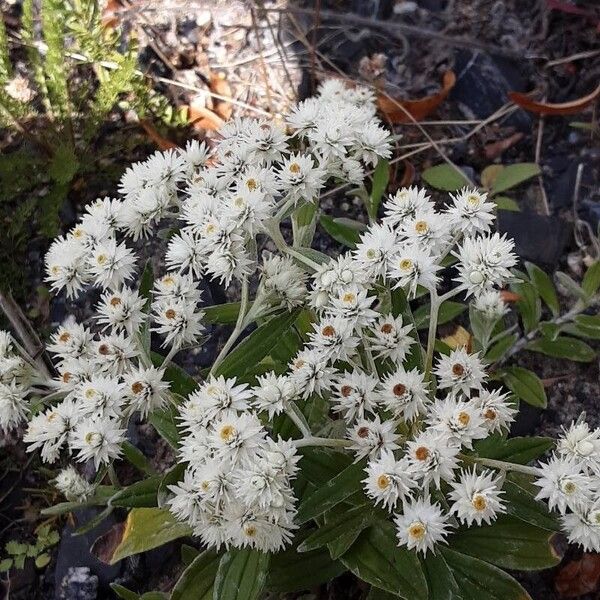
{"x": 79, "y": 584}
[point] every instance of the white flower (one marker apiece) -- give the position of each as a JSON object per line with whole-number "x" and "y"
{"x": 6, "y": 343}
{"x": 371, "y": 437}
{"x": 477, "y": 497}
{"x": 247, "y": 210}
{"x": 390, "y": 338}
{"x": 563, "y": 484}
{"x": 372, "y": 143}
{"x": 98, "y": 439}
{"x": 583, "y": 445}
{"x": 428, "y": 229}
{"x": 114, "y": 353}
{"x": 421, "y": 526}
{"x": 376, "y": 247}
{"x": 236, "y": 437}
{"x": 100, "y": 396}
{"x": 178, "y": 321}
{"x": 186, "y": 252}
{"x": 72, "y": 485}
{"x": 303, "y": 116}
{"x": 389, "y": 480}
{"x": 491, "y": 305}
{"x": 310, "y": 372}
{"x": 493, "y": 406}
{"x": 284, "y": 279}
{"x": 432, "y": 457}
{"x": 229, "y": 261}
{"x": 195, "y": 156}
{"x": 300, "y": 178}
{"x": 175, "y": 286}
{"x": 13, "y": 405}
{"x": 353, "y": 395}
{"x": 273, "y": 393}
{"x": 460, "y": 371}
{"x": 146, "y": 390}
{"x": 583, "y": 527}
{"x": 470, "y": 212}
{"x": 404, "y": 393}
{"x": 405, "y": 204}
{"x": 459, "y": 421}
{"x": 111, "y": 264}
{"x": 266, "y": 141}
{"x": 484, "y": 263}
{"x": 353, "y": 305}
{"x": 121, "y": 310}
{"x": 66, "y": 265}
{"x": 333, "y": 337}
{"x": 413, "y": 266}
{"x": 71, "y": 340}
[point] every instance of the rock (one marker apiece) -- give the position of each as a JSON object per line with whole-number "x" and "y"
{"x": 482, "y": 86}
{"x": 78, "y": 584}
{"x": 538, "y": 238}
{"x": 74, "y": 551}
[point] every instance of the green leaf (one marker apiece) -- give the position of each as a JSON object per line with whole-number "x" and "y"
{"x": 291, "y": 571}
{"x": 376, "y": 559}
{"x": 339, "y": 232}
{"x": 343, "y": 543}
{"x": 519, "y": 450}
{"x": 164, "y": 423}
{"x": 381, "y": 177}
{"x": 440, "y": 579}
{"x": 241, "y": 575}
{"x": 42, "y": 560}
{"x": 222, "y": 314}
{"x": 145, "y": 529}
{"x": 304, "y": 223}
{"x": 445, "y": 177}
{"x": 585, "y": 325}
{"x": 449, "y": 310}
{"x": 319, "y": 465}
{"x": 506, "y": 203}
{"x": 146, "y": 283}
{"x": 529, "y": 305}
{"x": 256, "y": 346}
{"x": 197, "y": 581}
{"x": 513, "y": 175}
{"x": 139, "y": 494}
{"x": 181, "y": 382}
{"x": 478, "y": 580}
{"x": 171, "y": 477}
{"x": 6, "y": 564}
{"x": 343, "y": 522}
{"x": 93, "y": 522}
{"x": 526, "y": 385}
{"x": 508, "y": 543}
{"x": 64, "y": 164}
{"x": 137, "y": 458}
{"x": 188, "y": 554}
{"x": 123, "y": 593}
{"x": 571, "y": 286}
{"x": 319, "y": 257}
{"x": 499, "y": 349}
{"x": 591, "y": 280}
{"x": 563, "y": 347}
{"x": 331, "y": 493}
{"x": 523, "y": 505}
{"x": 544, "y": 286}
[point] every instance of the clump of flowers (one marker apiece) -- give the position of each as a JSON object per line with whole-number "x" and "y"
{"x": 412, "y": 417}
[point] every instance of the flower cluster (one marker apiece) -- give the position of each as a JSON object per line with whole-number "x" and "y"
{"x": 412, "y": 418}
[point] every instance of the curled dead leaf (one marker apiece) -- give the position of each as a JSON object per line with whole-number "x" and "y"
{"x": 545, "y": 108}
{"x": 110, "y": 18}
{"x": 419, "y": 109}
{"x": 508, "y": 296}
{"x": 459, "y": 338}
{"x": 219, "y": 85}
{"x": 204, "y": 118}
{"x": 579, "y": 577}
{"x": 495, "y": 149}
{"x": 104, "y": 547}
{"x": 162, "y": 142}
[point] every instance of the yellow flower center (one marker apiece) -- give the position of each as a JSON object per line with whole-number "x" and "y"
{"x": 250, "y": 530}
{"x": 421, "y": 227}
{"x": 479, "y": 502}
{"x": 464, "y": 418}
{"x": 101, "y": 259}
{"x": 64, "y": 337}
{"x": 473, "y": 200}
{"x": 417, "y": 530}
{"x": 569, "y": 487}
{"x": 90, "y": 393}
{"x": 227, "y": 433}
{"x": 349, "y": 297}
{"x": 294, "y": 168}
{"x": 252, "y": 184}
{"x": 406, "y": 264}
{"x": 383, "y": 481}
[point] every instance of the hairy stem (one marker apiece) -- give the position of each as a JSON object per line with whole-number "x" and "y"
{"x": 501, "y": 465}
{"x": 324, "y": 442}
{"x": 295, "y": 414}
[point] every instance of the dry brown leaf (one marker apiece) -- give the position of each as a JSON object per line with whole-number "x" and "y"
{"x": 508, "y": 296}
{"x": 460, "y": 338}
{"x": 419, "y": 109}
{"x": 219, "y": 85}
{"x": 579, "y": 577}
{"x": 203, "y": 118}
{"x": 495, "y": 149}
{"x": 104, "y": 547}
{"x": 408, "y": 176}
{"x": 109, "y": 17}
{"x": 544, "y": 108}
{"x": 162, "y": 142}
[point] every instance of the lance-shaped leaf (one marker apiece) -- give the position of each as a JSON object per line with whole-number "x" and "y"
{"x": 520, "y": 450}
{"x": 241, "y": 575}
{"x": 526, "y": 385}
{"x": 197, "y": 581}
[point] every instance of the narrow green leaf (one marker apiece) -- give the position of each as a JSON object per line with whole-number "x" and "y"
{"x": 513, "y": 175}
{"x": 506, "y": 203}
{"x": 256, "y": 346}
{"x": 449, "y": 310}
{"x": 241, "y": 575}
{"x": 340, "y": 233}
{"x": 571, "y": 286}
{"x": 499, "y": 349}
{"x": 440, "y": 579}
{"x": 164, "y": 423}
{"x": 563, "y": 347}
{"x": 197, "y": 580}
{"x": 331, "y": 493}
{"x": 138, "y": 494}
{"x": 381, "y": 177}
{"x": 478, "y": 580}
{"x": 529, "y": 305}
{"x": 508, "y": 543}
{"x": 137, "y": 458}
{"x": 526, "y": 385}
{"x": 444, "y": 177}
{"x": 519, "y": 450}
{"x": 544, "y": 286}
{"x": 223, "y": 314}
{"x": 180, "y": 381}
{"x": 523, "y": 505}
{"x": 591, "y": 280}
{"x": 123, "y": 593}
{"x": 320, "y": 465}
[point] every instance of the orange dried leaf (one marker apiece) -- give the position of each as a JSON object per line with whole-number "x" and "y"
{"x": 460, "y": 338}
{"x": 495, "y": 149}
{"x": 544, "y": 108}
{"x": 219, "y": 85}
{"x": 418, "y": 109}
{"x": 204, "y": 118}
{"x": 508, "y": 296}
{"x": 109, "y": 18}
{"x": 159, "y": 140}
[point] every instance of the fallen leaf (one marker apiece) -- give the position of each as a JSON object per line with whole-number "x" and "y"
{"x": 460, "y": 338}
{"x": 508, "y": 296}
{"x": 495, "y": 149}
{"x": 218, "y": 84}
{"x": 579, "y": 577}
{"x": 202, "y": 117}
{"x": 544, "y": 108}
{"x": 104, "y": 547}
{"x": 408, "y": 176}
{"x": 419, "y": 109}
{"x": 110, "y": 18}
{"x": 162, "y": 142}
